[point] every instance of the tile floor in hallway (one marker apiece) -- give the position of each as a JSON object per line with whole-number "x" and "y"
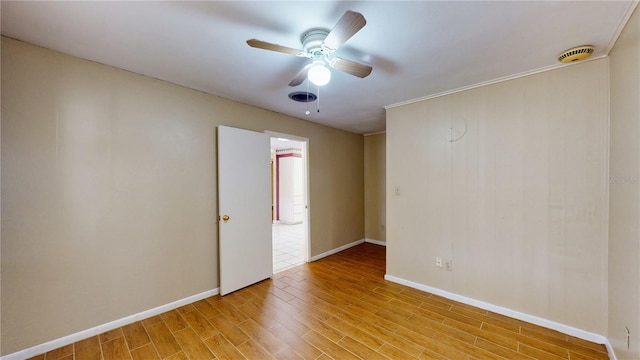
{"x": 288, "y": 246}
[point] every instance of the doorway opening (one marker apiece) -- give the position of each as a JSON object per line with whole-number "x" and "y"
{"x": 289, "y": 195}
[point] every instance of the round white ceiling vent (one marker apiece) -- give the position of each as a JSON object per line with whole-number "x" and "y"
{"x": 302, "y": 96}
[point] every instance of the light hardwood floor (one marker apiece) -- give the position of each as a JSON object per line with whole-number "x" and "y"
{"x": 339, "y": 307}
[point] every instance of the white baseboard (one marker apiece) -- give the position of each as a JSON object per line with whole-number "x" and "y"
{"x": 566, "y": 329}
{"x": 377, "y": 242}
{"x": 84, "y": 334}
{"x": 285, "y": 222}
{"x": 336, "y": 250}
{"x": 612, "y": 354}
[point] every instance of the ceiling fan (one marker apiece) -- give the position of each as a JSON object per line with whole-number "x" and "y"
{"x": 319, "y": 45}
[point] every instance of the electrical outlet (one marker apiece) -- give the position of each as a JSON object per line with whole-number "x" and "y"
{"x": 438, "y": 262}
{"x": 448, "y": 265}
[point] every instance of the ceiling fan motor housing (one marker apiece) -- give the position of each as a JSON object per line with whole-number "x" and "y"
{"x": 312, "y": 40}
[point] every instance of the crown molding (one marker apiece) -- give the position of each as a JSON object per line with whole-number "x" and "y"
{"x": 494, "y": 81}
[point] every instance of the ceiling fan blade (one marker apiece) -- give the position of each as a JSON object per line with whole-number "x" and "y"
{"x": 300, "y": 76}
{"x": 275, "y": 47}
{"x": 349, "y": 24}
{"x": 351, "y": 67}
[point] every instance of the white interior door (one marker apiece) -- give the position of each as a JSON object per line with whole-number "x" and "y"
{"x": 244, "y": 196}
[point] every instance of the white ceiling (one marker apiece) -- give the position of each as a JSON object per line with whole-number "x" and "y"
{"x": 417, "y": 48}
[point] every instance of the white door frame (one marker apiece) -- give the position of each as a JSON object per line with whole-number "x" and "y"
{"x": 307, "y": 217}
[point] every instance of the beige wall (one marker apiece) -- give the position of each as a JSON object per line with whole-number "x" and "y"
{"x": 374, "y": 187}
{"x": 624, "y": 193}
{"x": 510, "y": 182}
{"x": 109, "y": 191}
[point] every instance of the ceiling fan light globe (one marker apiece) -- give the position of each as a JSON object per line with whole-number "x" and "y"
{"x": 319, "y": 75}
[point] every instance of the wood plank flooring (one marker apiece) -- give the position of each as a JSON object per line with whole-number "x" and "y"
{"x": 339, "y": 307}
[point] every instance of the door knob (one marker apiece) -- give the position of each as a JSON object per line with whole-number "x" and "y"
{"x": 225, "y": 217}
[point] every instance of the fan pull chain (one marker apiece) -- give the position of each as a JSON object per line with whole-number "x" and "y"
{"x": 318, "y": 99}
{"x": 307, "y": 112}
